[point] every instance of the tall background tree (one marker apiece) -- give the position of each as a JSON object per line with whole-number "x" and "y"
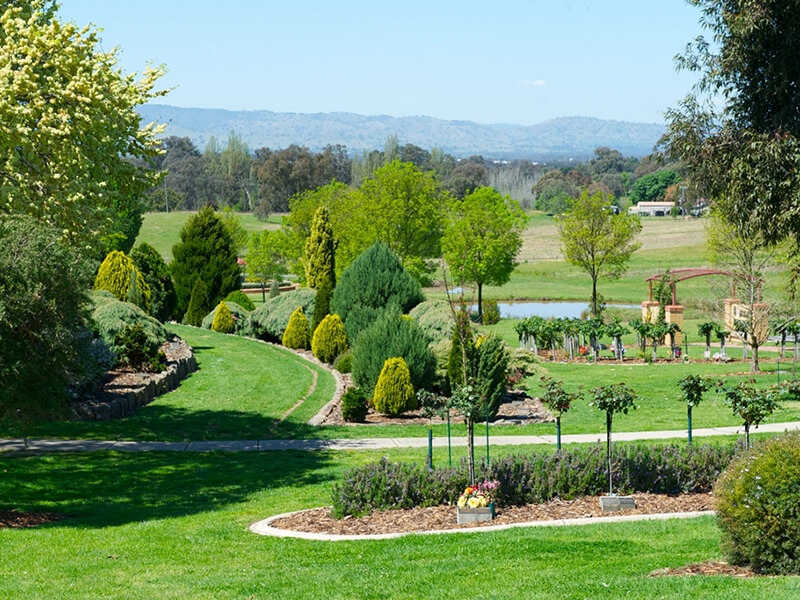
{"x": 320, "y": 252}
{"x": 90, "y": 191}
{"x": 482, "y": 238}
{"x": 596, "y": 240}
{"x": 205, "y": 252}
{"x": 737, "y": 131}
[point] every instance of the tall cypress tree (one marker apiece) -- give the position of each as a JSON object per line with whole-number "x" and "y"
{"x": 320, "y": 251}
{"x": 207, "y": 251}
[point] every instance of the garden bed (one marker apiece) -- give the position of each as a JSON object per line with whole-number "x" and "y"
{"x": 319, "y": 520}
{"x": 12, "y": 519}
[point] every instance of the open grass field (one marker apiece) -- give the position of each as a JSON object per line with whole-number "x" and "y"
{"x": 163, "y": 230}
{"x": 170, "y": 526}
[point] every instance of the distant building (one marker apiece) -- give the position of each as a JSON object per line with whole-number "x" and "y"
{"x": 651, "y": 209}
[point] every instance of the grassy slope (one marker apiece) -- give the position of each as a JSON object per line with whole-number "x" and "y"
{"x": 164, "y": 525}
{"x": 162, "y": 230}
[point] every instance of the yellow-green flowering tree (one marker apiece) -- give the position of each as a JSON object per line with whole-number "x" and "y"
{"x": 73, "y": 150}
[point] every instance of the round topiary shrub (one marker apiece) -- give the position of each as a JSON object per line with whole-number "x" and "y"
{"x": 394, "y": 393}
{"x": 344, "y": 362}
{"x": 354, "y": 405}
{"x": 329, "y": 339}
{"x": 757, "y": 499}
{"x": 298, "y": 333}
{"x": 118, "y": 275}
{"x": 223, "y": 320}
{"x": 242, "y": 299}
{"x": 238, "y": 314}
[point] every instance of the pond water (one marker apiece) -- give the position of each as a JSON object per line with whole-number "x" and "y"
{"x": 564, "y": 310}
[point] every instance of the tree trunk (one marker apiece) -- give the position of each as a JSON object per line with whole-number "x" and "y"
{"x": 655, "y": 349}
{"x": 796, "y": 346}
{"x": 722, "y": 345}
{"x": 618, "y": 344}
{"x": 783, "y": 344}
{"x": 754, "y": 368}
{"x": 263, "y": 292}
{"x": 708, "y": 345}
{"x": 609, "y": 416}
{"x": 558, "y": 433}
{"x": 747, "y": 435}
{"x": 471, "y": 449}
{"x": 594, "y": 296}
{"x": 480, "y": 303}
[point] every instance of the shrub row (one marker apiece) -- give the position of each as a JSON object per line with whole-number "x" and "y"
{"x": 535, "y": 477}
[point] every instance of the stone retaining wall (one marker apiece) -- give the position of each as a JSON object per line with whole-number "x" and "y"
{"x": 153, "y": 385}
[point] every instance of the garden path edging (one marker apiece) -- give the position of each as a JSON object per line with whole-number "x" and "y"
{"x": 264, "y": 526}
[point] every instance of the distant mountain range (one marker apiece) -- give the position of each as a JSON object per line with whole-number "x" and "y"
{"x": 561, "y": 138}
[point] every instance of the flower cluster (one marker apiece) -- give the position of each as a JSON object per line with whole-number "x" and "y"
{"x": 478, "y": 495}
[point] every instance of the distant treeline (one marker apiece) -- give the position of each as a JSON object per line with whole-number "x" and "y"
{"x": 230, "y": 175}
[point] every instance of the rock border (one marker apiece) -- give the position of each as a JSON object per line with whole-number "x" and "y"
{"x": 153, "y": 385}
{"x": 264, "y": 526}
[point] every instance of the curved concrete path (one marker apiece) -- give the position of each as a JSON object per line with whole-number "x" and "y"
{"x": 53, "y": 445}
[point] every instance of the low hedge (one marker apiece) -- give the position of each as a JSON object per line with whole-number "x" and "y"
{"x": 535, "y": 477}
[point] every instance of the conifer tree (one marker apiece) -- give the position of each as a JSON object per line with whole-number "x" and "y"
{"x": 207, "y": 251}
{"x": 223, "y": 320}
{"x": 394, "y": 393}
{"x": 198, "y": 304}
{"x": 156, "y": 273}
{"x": 298, "y": 333}
{"x": 320, "y": 251}
{"x": 115, "y": 275}
{"x": 322, "y": 303}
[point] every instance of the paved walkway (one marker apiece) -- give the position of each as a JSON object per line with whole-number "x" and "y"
{"x": 39, "y": 445}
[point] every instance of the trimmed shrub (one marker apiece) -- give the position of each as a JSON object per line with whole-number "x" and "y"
{"x": 344, "y": 362}
{"x": 297, "y": 334}
{"x": 238, "y": 314}
{"x": 757, "y": 507}
{"x": 322, "y": 304}
{"x": 394, "y": 393}
{"x": 269, "y": 321}
{"x": 320, "y": 250}
{"x": 110, "y": 317}
{"x": 329, "y": 339}
{"x": 374, "y": 280}
{"x": 535, "y": 477}
{"x": 392, "y": 336}
{"x": 491, "y": 314}
{"x": 354, "y": 405}
{"x": 156, "y": 273}
{"x": 223, "y": 320}
{"x": 206, "y": 251}
{"x": 115, "y": 275}
{"x": 198, "y": 305}
{"x": 434, "y": 318}
{"x": 242, "y": 299}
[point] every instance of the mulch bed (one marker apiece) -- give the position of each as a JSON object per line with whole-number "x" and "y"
{"x": 20, "y": 520}
{"x": 319, "y": 520}
{"x": 710, "y": 567}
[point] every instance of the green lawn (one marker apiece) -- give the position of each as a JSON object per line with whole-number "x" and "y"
{"x": 163, "y": 230}
{"x": 174, "y": 526}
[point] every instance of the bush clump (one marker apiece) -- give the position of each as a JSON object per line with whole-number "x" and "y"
{"x": 223, "y": 319}
{"x": 394, "y": 393}
{"x": 354, "y": 405}
{"x": 375, "y": 280}
{"x": 491, "y": 313}
{"x": 344, "y": 362}
{"x": 136, "y": 352}
{"x": 757, "y": 501}
{"x": 298, "y": 334}
{"x": 242, "y": 299}
{"x": 329, "y": 340}
{"x": 393, "y": 336}
{"x": 535, "y": 477}
{"x": 435, "y": 318}
{"x": 238, "y": 314}
{"x": 118, "y": 275}
{"x": 269, "y": 321}
{"x": 110, "y": 317}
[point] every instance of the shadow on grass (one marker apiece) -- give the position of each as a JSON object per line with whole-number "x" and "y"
{"x": 113, "y": 488}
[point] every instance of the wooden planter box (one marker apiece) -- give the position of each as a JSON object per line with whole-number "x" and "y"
{"x": 475, "y": 515}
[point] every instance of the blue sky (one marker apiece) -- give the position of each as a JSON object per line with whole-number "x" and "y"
{"x": 491, "y": 62}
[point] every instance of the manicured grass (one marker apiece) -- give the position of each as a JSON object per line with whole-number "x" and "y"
{"x": 241, "y": 387}
{"x": 163, "y": 230}
{"x": 161, "y": 525}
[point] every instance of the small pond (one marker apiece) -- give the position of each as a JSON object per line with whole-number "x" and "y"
{"x": 566, "y": 310}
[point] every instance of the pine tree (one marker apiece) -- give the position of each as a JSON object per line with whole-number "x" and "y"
{"x": 320, "y": 251}
{"x": 329, "y": 339}
{"x": 156, "y": 273}
{"x": 394, "y": 393}
{"x": 298, "y": 333}
{"x": 322, "y": 304}
{"x": 207, "y": 251}
{"x": 198, "y": 304}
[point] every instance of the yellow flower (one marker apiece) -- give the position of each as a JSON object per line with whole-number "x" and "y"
{"x": 474, "y": 503}
{"x": 462, "y": 501}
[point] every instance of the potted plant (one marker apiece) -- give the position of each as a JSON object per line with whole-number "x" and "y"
{"x": 477, "y": 503}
